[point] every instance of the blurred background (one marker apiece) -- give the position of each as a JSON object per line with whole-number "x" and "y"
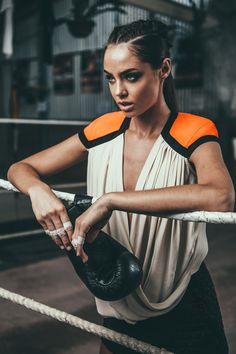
{"x": 51, "y": 85}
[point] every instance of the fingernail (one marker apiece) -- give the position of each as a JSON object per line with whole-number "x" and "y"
{"x": 68, "y": 248}
{"x": 62, "y": 247}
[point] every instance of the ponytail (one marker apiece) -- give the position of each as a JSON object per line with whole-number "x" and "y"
{"x": 170, "y": 93}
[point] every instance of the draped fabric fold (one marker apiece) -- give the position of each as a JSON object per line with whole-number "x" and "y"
{"x": 169, "y": 250}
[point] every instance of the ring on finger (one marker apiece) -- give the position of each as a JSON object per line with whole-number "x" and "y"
{"x": 67, "y": 225}
{"x": 53, "y": 233}
{"x": 78, "y": 241}
{"x": 61, "y": 232}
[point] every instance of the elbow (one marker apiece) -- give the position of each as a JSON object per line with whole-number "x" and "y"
{"x": 229, "y": 202}
{"x": 225, "y": 200}
{"x": 11, "y": 171}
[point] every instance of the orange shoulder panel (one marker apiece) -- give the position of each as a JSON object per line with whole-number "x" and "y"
{"x": 188, "y": 128}
{"x": 104, "y": 125}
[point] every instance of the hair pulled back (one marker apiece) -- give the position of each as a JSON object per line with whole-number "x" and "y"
{"x": 149, "y": 41}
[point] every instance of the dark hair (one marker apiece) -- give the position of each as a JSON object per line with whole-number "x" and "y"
{"x": 150, "y": 42}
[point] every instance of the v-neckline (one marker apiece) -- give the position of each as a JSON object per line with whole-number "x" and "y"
{"x": 167, "y": 125}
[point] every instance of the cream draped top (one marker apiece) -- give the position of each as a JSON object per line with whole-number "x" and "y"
{"x": 170, "y": 251}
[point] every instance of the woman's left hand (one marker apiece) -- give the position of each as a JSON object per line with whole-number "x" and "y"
{"x": 89, "y": 223}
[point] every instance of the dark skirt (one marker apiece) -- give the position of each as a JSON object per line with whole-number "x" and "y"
{"x": 194, "y": 326}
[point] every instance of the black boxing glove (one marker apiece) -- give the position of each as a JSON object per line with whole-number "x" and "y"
{"x": 111, "y": 272}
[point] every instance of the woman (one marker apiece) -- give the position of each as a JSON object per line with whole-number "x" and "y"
{"x": 144, "y": 159}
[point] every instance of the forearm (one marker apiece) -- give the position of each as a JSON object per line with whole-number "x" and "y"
{"x": 172, "y": 199}
{"x": 25, "y": 178}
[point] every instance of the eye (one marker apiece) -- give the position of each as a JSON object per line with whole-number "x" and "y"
{"x": 108, "y": 78}
{"x": 132, "y": 77}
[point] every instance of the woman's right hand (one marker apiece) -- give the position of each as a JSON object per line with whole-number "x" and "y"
{"x": 51, "y": 213}
{"x": 26, "y": 176}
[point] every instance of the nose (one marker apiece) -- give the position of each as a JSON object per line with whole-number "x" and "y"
{"x": 120, "y": 90}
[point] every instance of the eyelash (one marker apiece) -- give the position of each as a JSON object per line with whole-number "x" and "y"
{"x": 135, "y": 76}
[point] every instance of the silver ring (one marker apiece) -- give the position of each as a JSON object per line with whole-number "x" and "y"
{"x": 67, "y": 225}
{"x": 47, "y": 232}
{"x": 61, "y": 232}
{"x": 78, "y": 241}
{"x": 53, "y": 233}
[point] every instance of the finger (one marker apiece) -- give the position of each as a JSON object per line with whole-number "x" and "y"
{"x": 80, "y": 228}
{"x": 43, "y": 224}
{"x": 78, "y": 243}
{"x": 62, "y": 232}
{"x": 45, "y": 228}
{"x": 53, "y": 234}
{"x": 81, "y": 253}
{"x": 67, "y": 224}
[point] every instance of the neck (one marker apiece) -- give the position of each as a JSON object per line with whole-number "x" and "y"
{"x": 151, "y": 122}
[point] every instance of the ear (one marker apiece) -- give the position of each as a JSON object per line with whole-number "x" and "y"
{"x": 165, "y": 69}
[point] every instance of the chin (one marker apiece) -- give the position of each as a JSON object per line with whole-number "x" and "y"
{"x": 129, "y": 113}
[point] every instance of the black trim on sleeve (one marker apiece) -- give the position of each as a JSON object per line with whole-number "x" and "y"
{"x": 200, "y": 141}
{"x": 103, "y": 139}
{"x": 172, "y": 117}
{"x": 187, "y": 152}
{"x": 83, "y": 137}
{"x": 175, "y": 145}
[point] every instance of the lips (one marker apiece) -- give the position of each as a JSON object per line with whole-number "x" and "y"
{"x": 125, "y": 103}
{"x": 126, "y": 106}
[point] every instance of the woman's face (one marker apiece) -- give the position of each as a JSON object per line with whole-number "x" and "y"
{"x": 131, "y": 80}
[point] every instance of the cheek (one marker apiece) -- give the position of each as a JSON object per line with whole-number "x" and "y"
{"x": 146, "y": 92}
{"x": 143, "y": 92}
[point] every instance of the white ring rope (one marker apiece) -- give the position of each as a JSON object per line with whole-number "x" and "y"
{"x": 214, "y": 217}
{"x": 69, "y": 197}
{"x": 97, "y": 330}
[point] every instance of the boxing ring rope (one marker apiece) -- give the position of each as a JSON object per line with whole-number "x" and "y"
{"x": 87, "y": 326}
{"x": 213, "y": 217}
{"x": 68, "y": 197}
{"x": 197, "y": 216}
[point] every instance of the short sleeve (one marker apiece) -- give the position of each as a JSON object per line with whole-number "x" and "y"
{"x": 83, "y": 137}
{"x": 188, "y": 131}
{"x": 102, "y": 129}
{"x": 206, "y": 132}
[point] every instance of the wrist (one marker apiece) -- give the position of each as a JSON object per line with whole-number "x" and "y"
{"x": 38, "y": 187}
{"x": 109, "y": 201}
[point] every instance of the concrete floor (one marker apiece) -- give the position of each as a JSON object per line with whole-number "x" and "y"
{"x": 34, "y": 267}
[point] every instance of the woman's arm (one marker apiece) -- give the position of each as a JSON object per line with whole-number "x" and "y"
{"x": 214, "y": 190}
{"x": 26, "y": 176}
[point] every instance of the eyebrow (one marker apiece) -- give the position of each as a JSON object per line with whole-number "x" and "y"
{"x": 123, "y": 72}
